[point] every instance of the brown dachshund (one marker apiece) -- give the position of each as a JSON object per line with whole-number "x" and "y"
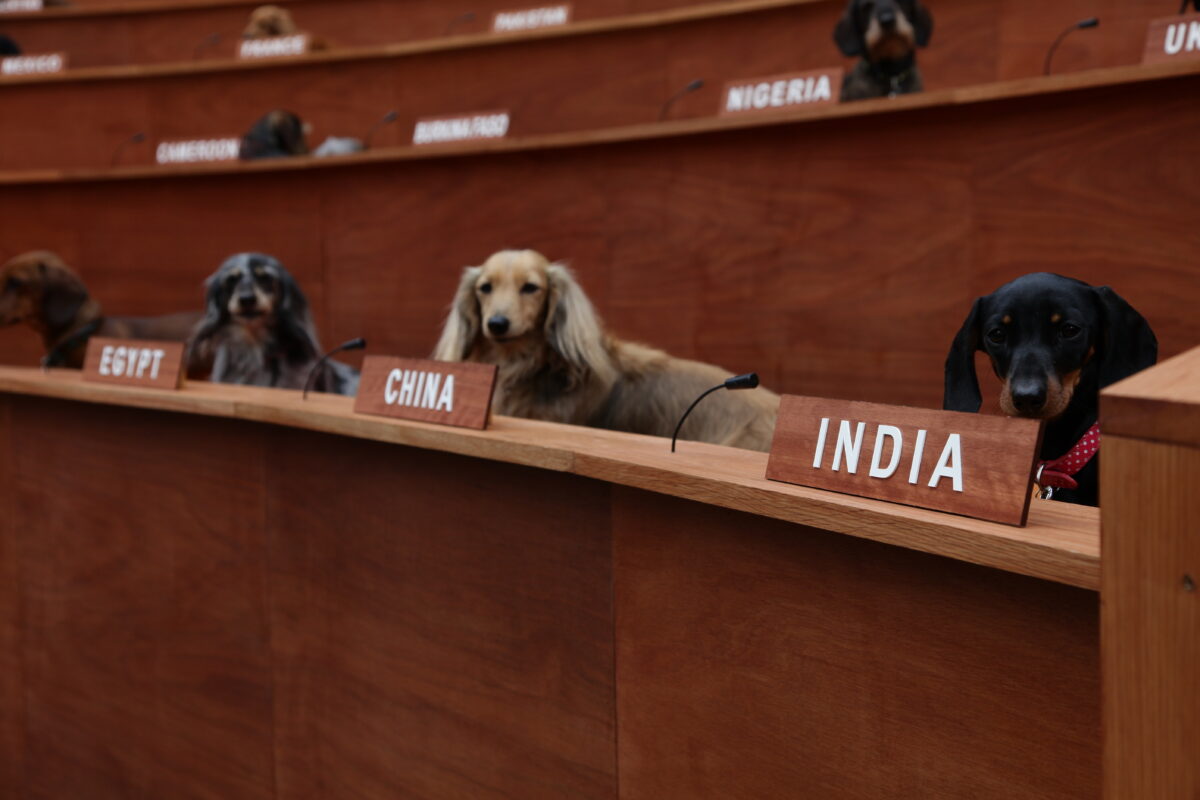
{"x": 266, "y": 21}
{"x": 37, "y": 288}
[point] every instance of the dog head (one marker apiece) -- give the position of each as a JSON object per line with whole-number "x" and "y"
{"x": 269, "y": 21}
{"x": 883, "y": 30}
{"x": 255, "y": 294}
{"x": 276, "y": 134}
{"x": 518, "y": 301}
{"x": 41, "y": 290}
{"x": 1046, "y": 336}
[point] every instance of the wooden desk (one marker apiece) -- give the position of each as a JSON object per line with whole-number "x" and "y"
{"x": 240, "y": 593}
{"x": 791, "y": 245}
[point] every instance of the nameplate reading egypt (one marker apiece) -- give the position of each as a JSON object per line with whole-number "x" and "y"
{"x": 1172, "y": 38}
{"x": 529, "y": 19}
{"x": 816, "y": 88}
{"x": 274, "y": 46}
{"x": 134, "y": 362}
{"x": 462, "y": 128}
{"x": 977, "y": 465}
{"x": 458, "y": 394}
{"x": 40, "y": 64}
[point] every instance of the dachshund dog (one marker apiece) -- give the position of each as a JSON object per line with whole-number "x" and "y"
{"x": 258, "y": 332}
{"x": 886, "y": 33}
{"x": 1055, "y": 342}
{"x": 557, "y": 363}
{"x": 40, "y": 290}
{"x": 266, "y": 21}
{"x": 8, "y": 47}
{"x": 276, "y": 134}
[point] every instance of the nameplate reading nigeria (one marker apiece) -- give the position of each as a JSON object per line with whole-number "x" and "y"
{"x": 41, "y": 64}
{"x": 977, "y": 465}
{"x": 458, "y": 394}
{"x": 1172, "y": 38}
{"x": 274, "y": 46}
{"x": 774, "y": 92}
{"x": 462, "y": 128}
{"x": 134, "y": 362}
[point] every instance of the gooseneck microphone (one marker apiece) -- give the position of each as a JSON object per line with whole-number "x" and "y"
{"x": 205, "y": 43}
{"x": 467, "y": 17}
{"x": 353, "y": 344}
{"x": 137, "y": 138}
{"x": 747, "y": 381}
{"x": 691, "y": 87}
{"x": 1090, "y": 22}
{"x": 386, "y": 119}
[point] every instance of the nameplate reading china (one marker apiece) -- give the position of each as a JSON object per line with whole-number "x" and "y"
{"x": 1172, "y": 38}
{"x": 458, "y": 394}
{"x": 191, "y": 151}
{"x": 134, "y": 362}
{"x": 530, "y": 18}
{"x": 816, "y": 88}
{"x": 16, "y": 6}
{"x": 483, "y": 125}
{"x": 33, "y": 64}
{"x": 977, "y": 465}
{"x": 274, "y": 46}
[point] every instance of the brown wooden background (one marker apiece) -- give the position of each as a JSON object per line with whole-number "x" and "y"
{"x": 181, "y": 627}
{"x": 837, "y": 257}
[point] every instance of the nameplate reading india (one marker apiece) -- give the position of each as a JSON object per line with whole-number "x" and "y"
{"x": 134, "y": 362}
{"x": 426, "y": 391}
{"x": 1172, "y": 38}
{"x": 977, "y": 465}
{"x": 816, "y": 88}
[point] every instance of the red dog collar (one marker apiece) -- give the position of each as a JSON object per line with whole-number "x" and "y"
{"x": 1058, "y": 474}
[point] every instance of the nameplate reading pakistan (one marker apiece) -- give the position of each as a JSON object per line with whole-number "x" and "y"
{"x": 977, "y": 465}
{"x": 775, "y": 92}
{"x": 456, "y": 394}
{"x": 40, "y": 64}
{"x": 1172, "y": 38}
{"x": 529, "y": 19}
{"x": 134, "y": 362}
{"x": 274, "y": 46}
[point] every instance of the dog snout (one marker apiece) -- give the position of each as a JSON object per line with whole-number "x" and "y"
{"x": 1028, "y": 396}
{"x": 498, "y": 325}
{"x": 887, "y": 18}
{"x": 247, "y": 302}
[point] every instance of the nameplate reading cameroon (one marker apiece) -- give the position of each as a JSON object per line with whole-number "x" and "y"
{"x": 977, "y": 465}
{"x": 191, "y": 151}
{"x": 816, "y": 88}
{"x": 481, "y": 125}
{"x": 39, "y": 64}
{"x": 17, "y": 6}
{"x": 529, "y": 19}
{"x": 458, "y": 394}
{"x": 274, "y": 46}
{"x": 1172, "y": 38}
{"x": 134, "y": 362}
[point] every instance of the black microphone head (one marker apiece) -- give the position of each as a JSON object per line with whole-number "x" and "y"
{"x": 137, "y": 138}
{"x": 747, "y": 381}
{"x": 694, "y": 85}
{"x": 391, "y": 116}
{"x": 1090, "y": 22}
{"x": 354, "y": 344}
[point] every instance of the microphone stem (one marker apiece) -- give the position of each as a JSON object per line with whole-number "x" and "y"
{"x": 695, "y": 403}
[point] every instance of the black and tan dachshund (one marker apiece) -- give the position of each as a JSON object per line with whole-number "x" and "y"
{"x": 1054, "y": 342}
{"x": 886, "y": 33}
{"x": 276, "y": 134}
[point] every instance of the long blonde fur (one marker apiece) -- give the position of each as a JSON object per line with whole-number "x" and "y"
{"x": 559, "y": 364}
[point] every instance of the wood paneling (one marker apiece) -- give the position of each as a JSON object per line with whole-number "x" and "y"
{"x": 836, "y": 257}
{"x": 756, "y": 659}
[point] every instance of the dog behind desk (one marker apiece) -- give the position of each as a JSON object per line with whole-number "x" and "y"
{"x": 886, "y": 34}
{"x": 557, "y": 363}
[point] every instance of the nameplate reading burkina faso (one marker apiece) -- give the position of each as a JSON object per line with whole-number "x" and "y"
{"x": 976, "y": 465}
{"x": 134, "y": 362}
{"x": 448, "y": 393}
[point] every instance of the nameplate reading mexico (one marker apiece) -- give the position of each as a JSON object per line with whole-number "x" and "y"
{"x": 134, "y": 362}
{"x": 458, "y": 394}
{"x": 1172, "y": 38}
{"x": 976, "y": 465}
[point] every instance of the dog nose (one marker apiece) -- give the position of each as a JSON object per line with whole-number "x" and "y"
{"x": 247, "y": 301}
{"x": 887, "y": 18}
{"x": 498, "y": 325}
{"x": 1028, "y": 397}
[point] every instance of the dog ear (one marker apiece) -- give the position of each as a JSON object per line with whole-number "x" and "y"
{"x": 1127, "y": 344}
{"x": 462, "y": 323}
{"x": 63, "y": 295}
{"x": 846, "y": 33}
{"x": 214, "y": 311}
{"x": 572, "y": 328}
{"x": 297, "y": 333}
{"x": 922, "y": 23}
{"x": 962, "y": 384}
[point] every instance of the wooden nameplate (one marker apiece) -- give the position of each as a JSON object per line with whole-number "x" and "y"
{"x": 297, "y": 44}
{"x": 1172, "y": 39}
{"x": 528, "y": 19}
{"x": 191, "y": 151}
{"x": 817, "y": 87}
{"x": 32, "y": 64}
{"x": 976, "y": 465}
{"x": 134, "y": 362}
{"x": 448, "y": 393}
{"x": 461, "y": 127}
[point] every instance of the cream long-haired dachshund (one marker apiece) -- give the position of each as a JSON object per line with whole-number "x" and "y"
{"x": 556, "y": 362}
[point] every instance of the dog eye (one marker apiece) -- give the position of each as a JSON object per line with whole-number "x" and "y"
{"x": 486, "y": 288}
{"x": 529, "y": 288}
{"x": 996, "y": 336}
{"x": 1069, "y": 331}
